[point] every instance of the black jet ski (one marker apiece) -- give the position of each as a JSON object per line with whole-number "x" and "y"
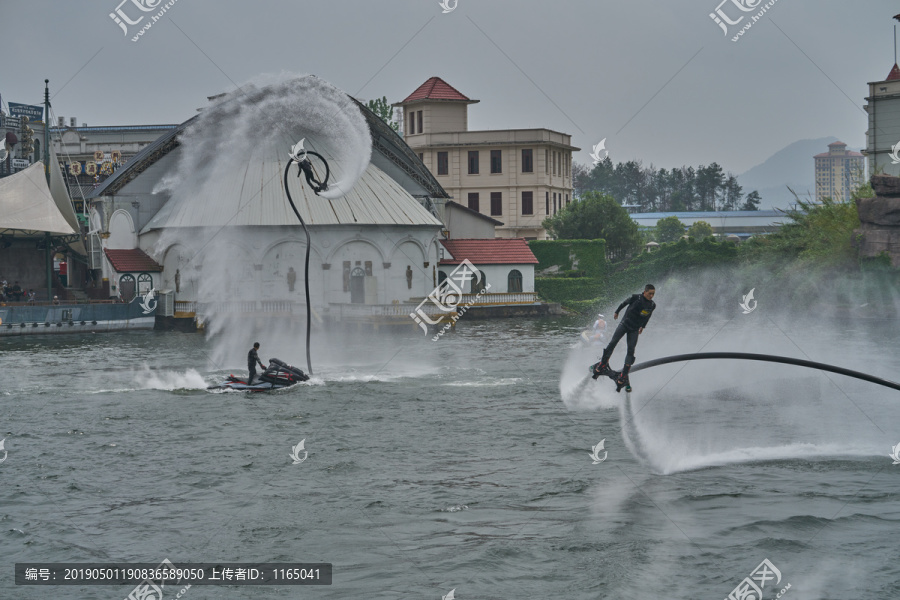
{"x": 276, "y": 376}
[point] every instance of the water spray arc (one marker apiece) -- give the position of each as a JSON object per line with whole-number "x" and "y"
{"x": 300, "y": 157}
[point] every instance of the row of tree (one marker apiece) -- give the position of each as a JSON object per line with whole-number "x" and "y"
{"x": 661, "y": 190}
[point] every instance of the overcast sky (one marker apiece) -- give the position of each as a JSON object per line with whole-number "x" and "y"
{"x": 657, "y": 78}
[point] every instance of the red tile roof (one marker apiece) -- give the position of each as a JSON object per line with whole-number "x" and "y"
{"x": 437, "y": 89}
{"x": 494, "y": 251}
{"x": 131, "y": 261}
{"x": 894, "y": 74}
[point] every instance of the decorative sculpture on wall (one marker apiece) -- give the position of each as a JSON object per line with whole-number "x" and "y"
{"x": 291, "y": 278}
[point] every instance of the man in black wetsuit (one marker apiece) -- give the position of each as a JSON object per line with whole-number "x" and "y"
{"x": 640, "y": 309}
{"x": 252, "y": 361}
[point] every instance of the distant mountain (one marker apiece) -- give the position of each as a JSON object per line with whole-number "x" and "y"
{"x": 791, "y": 166}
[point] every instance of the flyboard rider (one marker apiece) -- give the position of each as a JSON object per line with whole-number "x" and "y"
{"x": 640, "y": 309}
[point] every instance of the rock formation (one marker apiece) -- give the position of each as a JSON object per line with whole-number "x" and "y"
{"x": 879, "y": 219}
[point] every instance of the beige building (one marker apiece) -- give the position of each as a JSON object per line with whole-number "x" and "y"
{"x": 517, "y": 176}
{"x": 883, "y": 133}
{"x": 838, "y": 172}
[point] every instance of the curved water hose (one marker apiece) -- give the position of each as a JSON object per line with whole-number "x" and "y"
{"x": 766, "y": 358}
{"x": 306, "y": 168}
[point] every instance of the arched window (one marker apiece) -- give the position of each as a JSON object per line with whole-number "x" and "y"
{"x": 479, "y": 281}
{"x": 514, "y": 281}
{"x": 144, "y": 283}
{"x": 127, "y": 287}
{"x": 357, "y": 286}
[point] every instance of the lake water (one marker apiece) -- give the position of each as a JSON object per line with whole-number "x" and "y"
{"x": 464, "y": 463}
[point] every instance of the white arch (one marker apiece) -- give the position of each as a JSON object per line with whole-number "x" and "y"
{"x": 121, "y": 231}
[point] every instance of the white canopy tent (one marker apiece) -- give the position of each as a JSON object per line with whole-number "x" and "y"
{"x": 29, "y": 207}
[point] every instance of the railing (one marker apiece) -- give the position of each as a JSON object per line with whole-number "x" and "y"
{"x": 491, "y": 299}
{"x": 342, "y": 311}
{"x": 499, "y": 298}
{"x": 239, "y": 306}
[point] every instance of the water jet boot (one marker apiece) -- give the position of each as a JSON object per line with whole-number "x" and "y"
{"x": 622, "y": 380}
{"x": 600, "y": 368}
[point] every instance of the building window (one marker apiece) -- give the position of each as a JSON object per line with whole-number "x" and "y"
{"x": 144, "y": 283}
{"x": 473, "y": 162}
{"x": 422, "y": 156}
{"x": 567, "y": 199}
{"x": 547, "y": 203}
{"x": 554, "y": 203}
{"x": 419, "y": 121}
{"x": 443, "y": 163}
{"x": 127, "y": 287}
{"x": 346, "y": 275}
{"x": 527, "y": 161}
{"x": 546, "y": 161}
{"x": 496, "y": 204}
{"x": 514, "y": 281}
{"x": 479, "y": 282}
{"x": 527, "y": 203}
{"x": 495, "y": 162}
{"x": 368, "y": 268}
{"x": 473, "y": 201}
{"x": 412, "y": 130}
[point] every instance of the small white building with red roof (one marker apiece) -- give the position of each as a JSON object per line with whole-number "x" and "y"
{"x": 506, "y": 264}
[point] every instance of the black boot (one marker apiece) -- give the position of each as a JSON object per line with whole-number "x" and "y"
{"x": 622, "y": 380}
{"x": 601, "y": 368}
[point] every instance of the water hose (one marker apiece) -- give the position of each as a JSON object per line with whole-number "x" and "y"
{"x": 305, "y": 167}
{"x": 766, "y": 358}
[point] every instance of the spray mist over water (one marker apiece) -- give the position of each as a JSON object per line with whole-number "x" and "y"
{"x": 228, "y": 182}
{"x": 706, "y": 413}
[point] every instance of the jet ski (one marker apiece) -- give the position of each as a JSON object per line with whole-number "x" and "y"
{"x": 276, "y": 376}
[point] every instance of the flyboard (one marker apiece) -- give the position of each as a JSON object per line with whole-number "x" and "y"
{"x": 614, "y": 375}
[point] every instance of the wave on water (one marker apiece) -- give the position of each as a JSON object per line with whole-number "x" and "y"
{"x": 676, "y": 464}
{"x": 169, "y": 380}
{"x": 488, "y": 383}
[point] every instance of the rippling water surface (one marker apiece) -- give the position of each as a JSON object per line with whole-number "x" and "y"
{"x": 462, "y": 464}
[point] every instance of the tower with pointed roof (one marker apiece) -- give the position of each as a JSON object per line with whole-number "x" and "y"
{"x": 883, "y": 133}
{"x": 517, "y": 176}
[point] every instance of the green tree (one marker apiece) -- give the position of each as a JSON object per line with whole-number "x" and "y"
{"x": 384, "y": 111}
{"x": 752, "y": 201}
{"x": 596, "y": 216}
{"x": 700, "y": 230}
{"x": 669, "y": 229}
